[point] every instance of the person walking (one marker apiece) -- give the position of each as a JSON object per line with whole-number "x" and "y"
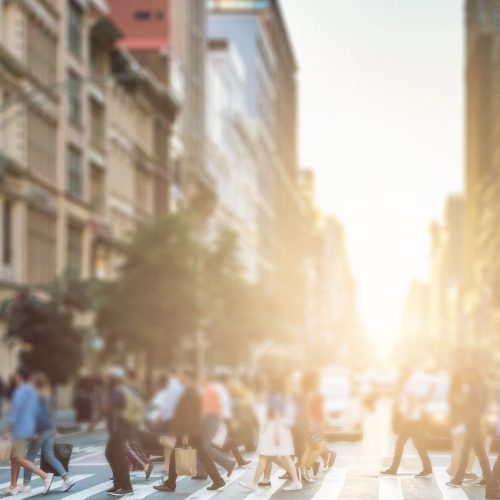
{"x": 275, "y": 440}
{"x": 119, "y": 431}
{"x": 187, "y": 426}
{"x": 3, "y": 394}
{"x": 23, "y": 418}
{"x": 45, "y": 431}
{"x": 475, "y": 403}
{"x": 415, "y": 389}
{"x": 212, "y": 420}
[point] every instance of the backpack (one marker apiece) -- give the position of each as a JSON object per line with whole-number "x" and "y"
{"x": 134, "y": 410}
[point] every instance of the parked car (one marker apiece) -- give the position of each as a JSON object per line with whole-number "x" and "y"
{"x": 342, "y": 409}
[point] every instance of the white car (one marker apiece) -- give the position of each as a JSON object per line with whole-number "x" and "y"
{"x": 342, "y": 409}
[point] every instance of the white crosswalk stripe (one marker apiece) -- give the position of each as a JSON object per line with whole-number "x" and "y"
{"x": 88, "y": 492}
{"x": 448, "y": 493}
{"x": 204, "y": 494}
{"x": 389, "y": 488}
{"x": 55, "y": 485}
{"x": 332, "y": 484}
{"x": 276, "y": 482}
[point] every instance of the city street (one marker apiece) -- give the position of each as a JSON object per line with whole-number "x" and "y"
{"x": 354, "y": 476}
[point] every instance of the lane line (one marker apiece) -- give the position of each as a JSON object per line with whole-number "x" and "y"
{"x": 88, "y": 455}
{"x": 204, "y": 494}
{"x": 262, "y": 494}
{"x": 448, "y": 493}
{"x": 389, "y": 488}
{"x": 82, "y": 495}
{"x": 332, "y": 484}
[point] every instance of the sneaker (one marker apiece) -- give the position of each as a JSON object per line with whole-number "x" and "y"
{"x": 68, "y": 484}
{"x": 148, "y": 471}
{"x": 481, "y": 483}
{"x": 264, "y": 484}
{"x": 388, "y": 473}
{"x": 307, "y": 476}
{"x": 164, "y": 487}
{"x": 315, "y": 469}
{"x": 424, "y": 474}
{"x": 48, "y": 483}
{"x": 120, "y": 492}
{"x": 217, "y": 486}
{"x": 294, "y": 486}
{"x": 25, "y": 488}
{"x": 454, "y": 484}
{"x": 111, "y": 490}
{"x": 331, "y": 459}
{"x": 8, "y": 492}
{"x": 231, "y": 468}
{"x": 248, "y": 486}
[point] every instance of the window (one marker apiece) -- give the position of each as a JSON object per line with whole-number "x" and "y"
{"x": 74, "y": 255}
{"x": 41, "y": 52}
{"x": 97, "y": 126}
{"x": 74, "y": 98}
{"x": 142, "y": 15}
{"x": 7, "y": 233}
{"x": 97, "y": 189}
{"x": 75, "y": 21}
{"x": 74, "y": 173}
{"x": 42, "y": 141}
{"x": 41, "y": 246}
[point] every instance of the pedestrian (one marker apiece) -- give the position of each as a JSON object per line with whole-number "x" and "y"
{"x": 212, "y": 420}
{"x": 45, "y": 432}
{"x": 23, "y": 419}
{"x": 475, "y": 403}
{"x": 187, "y": 426}
{"x": 136, "y": 455}
{"x": 414, "y": 391}
{"x": 165, "y": 403}
{"x": 226, "y": 400}
{"x": 275, "y": 440}
{"x": 119, "y": 431}
{"x": 3, "y": 394}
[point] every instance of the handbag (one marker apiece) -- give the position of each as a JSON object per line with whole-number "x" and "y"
{"x": 220, "y": 437}
{"x": 5, "y": 450}
{"x": 185, "y": 461}
{"x": 62, "y": 452}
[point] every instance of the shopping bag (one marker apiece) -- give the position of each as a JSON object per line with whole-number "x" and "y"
{"x": 185, "y": 461}
{"x": 5, "y": 450}
{"x": 63, "y": 452}
{"x": 220, "y": 437}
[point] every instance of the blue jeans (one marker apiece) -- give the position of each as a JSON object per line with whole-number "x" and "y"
{"x": 45, "y": 442}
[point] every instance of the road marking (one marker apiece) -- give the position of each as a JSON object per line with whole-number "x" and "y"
{"x": 389, "y": 488}
{"x": 88, "y": 455}
{"x": 448, "y": 493}
{"x": 82, "y": 495}
{"x": 332, "y": 484}
{"x": 54, "y": 487}
{"x": 204, "y": 494}
{"x": 261, "y": 494}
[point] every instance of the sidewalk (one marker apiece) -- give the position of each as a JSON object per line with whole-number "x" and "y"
{"x": 65, "y": 421}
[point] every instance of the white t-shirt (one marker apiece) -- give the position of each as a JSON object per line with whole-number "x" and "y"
{"x": 416, "y": 389}
{"x": 225, "y": 401}
{"x": 167, "y": 400}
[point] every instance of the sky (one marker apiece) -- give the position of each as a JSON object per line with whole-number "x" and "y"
{"x": 381, "y": 124}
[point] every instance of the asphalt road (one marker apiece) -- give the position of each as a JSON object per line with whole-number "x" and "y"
{"x": 354, "y": 476}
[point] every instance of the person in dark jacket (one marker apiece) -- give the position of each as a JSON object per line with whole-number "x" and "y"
{"x": 45, "y": 430}
{"x": 474, "y": 407}
{"x": 187, "y": 426}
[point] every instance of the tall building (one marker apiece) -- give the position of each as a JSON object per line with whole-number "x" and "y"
{"x": 482, "y": 209}
{"x": 84, "y": 130}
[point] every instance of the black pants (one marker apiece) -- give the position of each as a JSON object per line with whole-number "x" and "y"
{"x": 474, "y": 440}
{"x": 230, "y": 445}
{"x": 494, "y": 480}
{"x": 116, "y": 455}
{"x": 135, "y": 452}
{"x": 203, "y": 457}
{"x": 410, "y": 430}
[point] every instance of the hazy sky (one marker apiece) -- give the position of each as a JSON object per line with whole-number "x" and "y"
{"x": 381, "y": 103}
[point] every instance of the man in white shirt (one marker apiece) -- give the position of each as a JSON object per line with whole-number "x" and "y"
{"x": 166, "y": 403}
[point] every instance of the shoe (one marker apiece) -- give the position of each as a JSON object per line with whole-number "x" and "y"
{"x": 199, "y": 478}
{"x": 315, "y": 469}
{"x": 294, "y": 486}
{"x": 388, "y": 473}
{"x": 120, "y": 492}
{"x": 68, "y": 484}
{"x": 8, "y": 492}
{"x": 231, "y": 469}
{"x": 481, "y": 483}
{"x": 217, "y": 486}
{"x": 264, "y": 484}
{"x": 454, "y": 484}
{"x": 244, "y": 464}
{"x": 149, "y": 471}
{"x": 249, "y": 486}
{"x": 332, "y": 456}
{"x": 164, "y": 487}
{"x": 111, "y": 490}
{"x": 25, "y": 488}
{"x": 285, "y": 476}
{"x": 471, "y": 477}
{"x": 424, "y": 474}
{"x": 48, "y": 483}
{"x": 306, "y": 476}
